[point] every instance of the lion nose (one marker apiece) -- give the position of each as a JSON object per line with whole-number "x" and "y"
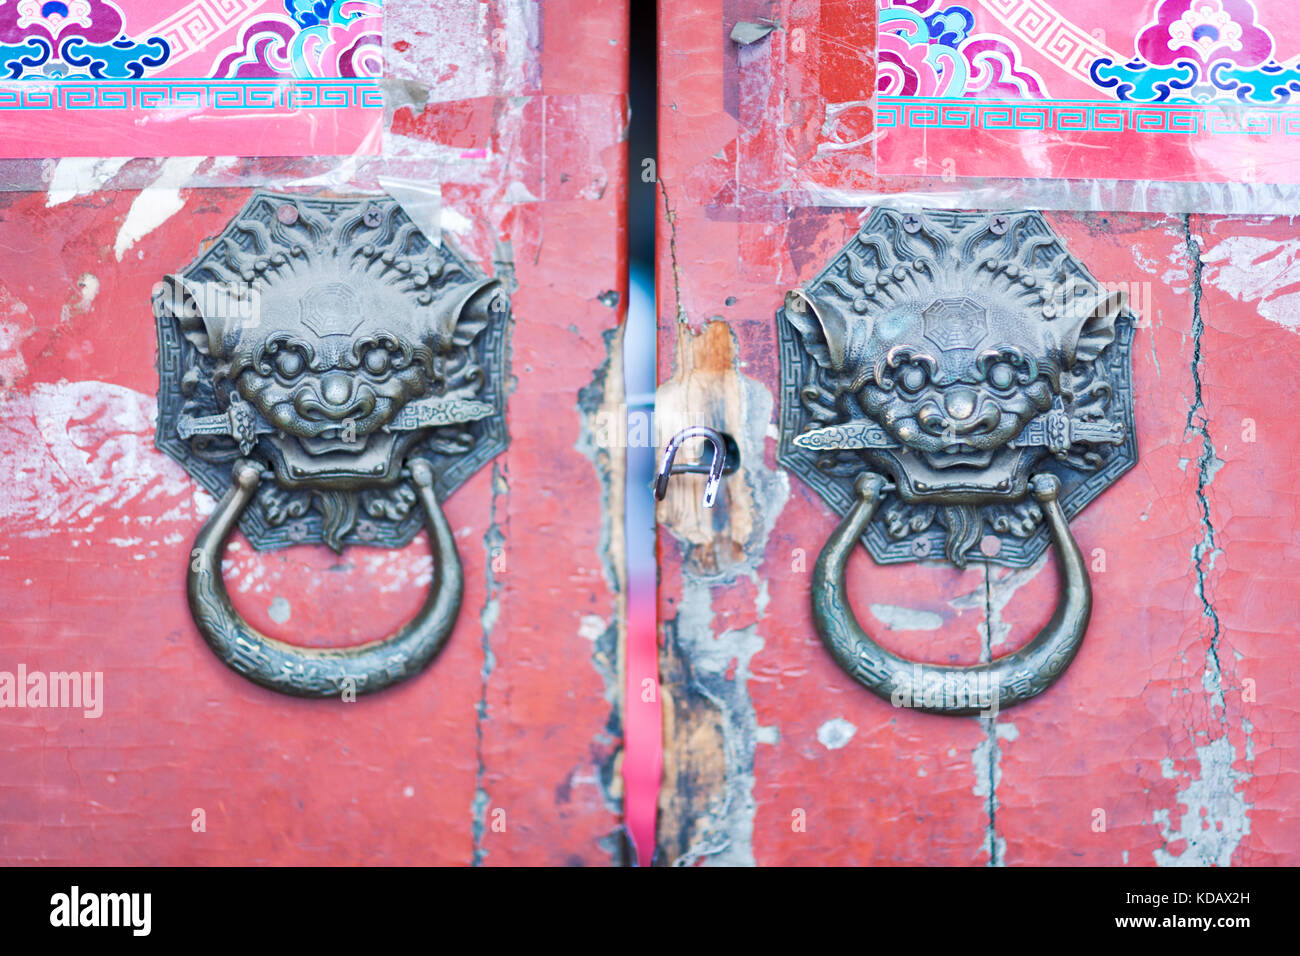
{"x": 960, "y": 403}
{"x": 335, "y": 387}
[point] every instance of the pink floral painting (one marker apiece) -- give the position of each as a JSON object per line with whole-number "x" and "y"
{"x": 141, "y": 77}
{"x": 1201, "y": 90}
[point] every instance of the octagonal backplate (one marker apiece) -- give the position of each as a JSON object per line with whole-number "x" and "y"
{"x": 919, "y": 268}
{"x": 273, "y": 228}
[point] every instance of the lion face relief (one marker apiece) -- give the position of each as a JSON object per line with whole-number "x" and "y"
{"x": 331, "y": 340}
{"x": 955, "y": 353}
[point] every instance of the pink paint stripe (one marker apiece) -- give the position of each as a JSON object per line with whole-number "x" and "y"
{"x": 330, "y": 117}
{"x": 643, "y": 757}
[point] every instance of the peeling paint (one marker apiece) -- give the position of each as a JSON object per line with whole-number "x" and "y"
{"x": 483, "y": 49}
{"x": 88, "y": 283}
{"x": 724, "y": 835}
{"x": 1260, "y": 271}
{"x": 1217, "y": 815}
{"x": 746, "y": 32}
{"x": 709, "y": 807}
{"x": 592, "y": 627}
{"x": 93, "y": 513}
{"x": 68, "y": 449}
{"x": 280, "y": 610}
{"x": 494, "y": 539}
{"x": 77, "y": 176}
{"x": 905, "y": 618}
{"x": 986, "y": 760}
{"x": 835, "y": 733}
{"x": 604, "y": 396}
{"x": 16, "y": 325}
{"x": 1206, "y": 550}
{"x": 452, "y": 221}
{"x": 156, "y": 204}
{"x": 1001, "y": 588}
{"x": 707, "y": 388}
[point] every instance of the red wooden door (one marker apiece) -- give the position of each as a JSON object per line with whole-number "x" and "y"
{"x": 504, "y": 749}
{"x": 1170, "y": 740}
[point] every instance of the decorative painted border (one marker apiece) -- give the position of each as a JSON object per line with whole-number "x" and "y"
{"x": 191, "y": 28}
{"x": 271, "y": 94}
{"x": 1074, "y": 116}
{"x": 1052, "y": 34}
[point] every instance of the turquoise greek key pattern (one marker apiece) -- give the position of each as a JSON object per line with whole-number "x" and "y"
{"x": 1072, "y": 116}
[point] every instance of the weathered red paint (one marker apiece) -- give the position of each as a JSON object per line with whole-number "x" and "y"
{"x": 1154, "y": 747}
{"x": 503, "y": 750}
{"x": 1250, "y": 388}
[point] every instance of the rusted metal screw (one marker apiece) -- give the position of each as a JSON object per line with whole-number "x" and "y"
{"x": 287, "y": 213}
{"x": 998, "y": 225}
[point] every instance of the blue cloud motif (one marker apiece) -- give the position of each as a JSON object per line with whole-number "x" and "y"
{"x": 1270, "y": 83}
{"x": 1139, "y": 82}
{"x": 16, "y": 57}
{"x": 949, "y": 26}
{"x": 123, "y": 59}
{"x": 310, "y": 13}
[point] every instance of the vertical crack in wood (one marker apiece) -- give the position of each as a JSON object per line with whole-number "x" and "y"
{"x": 601, "y": 404}
{"x": 707, "y": 807}
{"x": 493, "y": 541}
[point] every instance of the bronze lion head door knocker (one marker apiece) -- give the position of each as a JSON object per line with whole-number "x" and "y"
{"x": 948, "y": 377}
{"x": 330, "y": 374}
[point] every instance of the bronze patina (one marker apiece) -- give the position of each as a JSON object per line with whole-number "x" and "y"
{"x": 330, "y": 374}
{"x": 956, "y": 385}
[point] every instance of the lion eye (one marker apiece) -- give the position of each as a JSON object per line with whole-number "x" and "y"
{"x": 376, "y": 360}
{"x": 1002, "y": 375}
{"x": 912, "y": 378}
{"x": 289, "y": 364}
